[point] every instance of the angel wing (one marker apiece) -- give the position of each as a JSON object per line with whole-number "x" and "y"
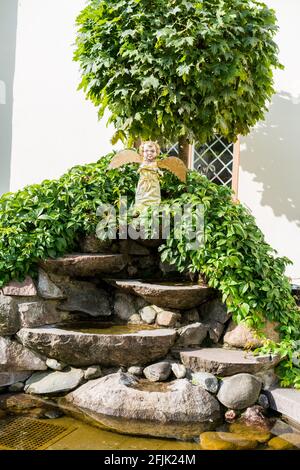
{"x": 175, "y": 165}
{"x": 124, "y": 157}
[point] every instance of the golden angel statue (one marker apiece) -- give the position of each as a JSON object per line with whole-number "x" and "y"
{"x": 148, "y": 189}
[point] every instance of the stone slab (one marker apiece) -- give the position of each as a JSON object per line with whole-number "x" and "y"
{"x": 225, "y": 362}
{"x": 85, "y": 349}
{"x": 178, "y": 295}
{"x": 81, "y": 265}
{"x": 285, "y": 401}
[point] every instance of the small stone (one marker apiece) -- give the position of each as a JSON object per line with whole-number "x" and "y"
{"x": 254, "y": 416}
{"x": 53, "y": 414}
{"x": 136, "y": 370}
{"x": 206, "y": 380}
{"x": 230, "y": 416}
{"x": 158, "y": 372}
{"x": 135, "y": 319}
{"x": 263, "y": 401}
{"x": 148, "y": 314}
{"x": 17, "y": 387}
{"x": 179, "y": 370}
{"x": 168, "y": 318}
{"x": 93, "y": 372}
{"x": 55, "y": 365}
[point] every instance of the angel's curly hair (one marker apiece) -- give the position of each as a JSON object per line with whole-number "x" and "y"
{"x": 149, "y": 142}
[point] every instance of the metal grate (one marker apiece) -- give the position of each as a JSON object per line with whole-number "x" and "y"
{"x": 215, "y": 160}
{"x": 23, "y": 433}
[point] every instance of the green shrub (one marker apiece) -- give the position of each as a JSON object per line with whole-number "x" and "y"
{"x": 46, "y": 220}
{"x": 169, "y": 68}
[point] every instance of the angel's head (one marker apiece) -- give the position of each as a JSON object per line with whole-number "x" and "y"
{"x": 149, "y": 151}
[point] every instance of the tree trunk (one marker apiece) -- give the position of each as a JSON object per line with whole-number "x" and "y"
{"x": 184, "y": 149}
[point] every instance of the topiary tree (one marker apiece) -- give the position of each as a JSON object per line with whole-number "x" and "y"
{"x": 169, "y": 69}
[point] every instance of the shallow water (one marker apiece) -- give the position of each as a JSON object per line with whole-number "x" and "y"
{"x": 104, "y": 328}
{"x": 79, "y": 435}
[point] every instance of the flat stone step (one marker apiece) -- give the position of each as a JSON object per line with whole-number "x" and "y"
{"x": 81, "y": 264}
{"x": 226, "y": 362}
{"x": 85, "y": 349}
{"x": 177, "y": 295}
{"x": 286, "y": 401}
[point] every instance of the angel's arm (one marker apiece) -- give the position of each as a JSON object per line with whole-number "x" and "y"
{"x": 175, "y": 165}
{"x": 124, "y": 157}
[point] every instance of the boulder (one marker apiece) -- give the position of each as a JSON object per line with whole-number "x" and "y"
{"x": 180, "y": 409}
{"x": 46, "y": 288}
{"x": 214, "y": 310}
{"x": 25, "y": 288}
{"x": 87, "y": 298}
{"x": 241, "y": 336}
{"x": 92, "y": 244}
{"x": 38, "y": 314}
{"x": 85, "y": 349}
{"x": 190, "y": 316}
{"x": 124, "y": 306}
{"x": 14, "y": 356}
{"x": 49, "y": 383}
{"x": 239, "y": 391}
{"x": 191, "y": 335}
{"x": 9, "y": 318}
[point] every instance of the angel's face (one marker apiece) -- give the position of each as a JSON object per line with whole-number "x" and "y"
{"x": 149, "y": 153}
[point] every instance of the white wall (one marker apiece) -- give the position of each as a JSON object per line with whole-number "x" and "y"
{"x": 54, "y": 127}
{"x": 270, "y": 157}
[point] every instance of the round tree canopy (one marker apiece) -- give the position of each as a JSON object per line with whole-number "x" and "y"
{"x": 178, "y": 68}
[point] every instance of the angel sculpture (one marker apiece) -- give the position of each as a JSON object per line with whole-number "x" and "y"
{"x": 148, "y": 189}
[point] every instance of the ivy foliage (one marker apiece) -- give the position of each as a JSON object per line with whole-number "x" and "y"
{"x": 46, "y": 220}
{"x": 177, "y": 67}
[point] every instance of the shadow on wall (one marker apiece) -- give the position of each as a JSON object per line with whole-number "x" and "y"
{"x": 275, "y": 145}
{"x": 8, "y": 30}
